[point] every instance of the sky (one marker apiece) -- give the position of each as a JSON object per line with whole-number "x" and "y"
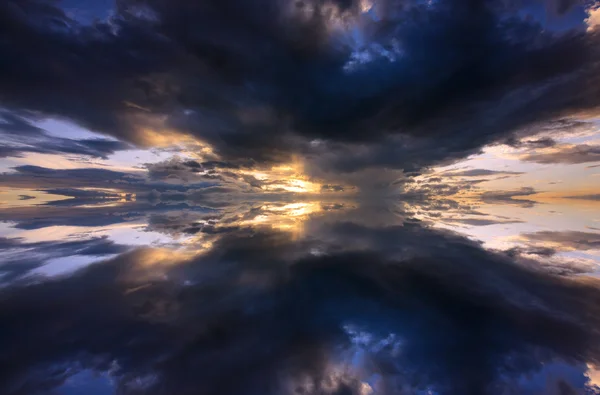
{"x": 366, "y": 170}
{"x": 353, "y": 95}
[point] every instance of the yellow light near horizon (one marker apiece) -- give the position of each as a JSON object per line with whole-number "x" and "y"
{"x": 287, "y": 217}
{"x": 286, "y": 177}
{"x": 294, "y": 185}
{"x": 284, "y": 168}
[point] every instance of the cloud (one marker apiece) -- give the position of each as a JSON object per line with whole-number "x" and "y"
{"x": 29, "y": 176}
{"x": 78, "y": 197}
{"x": 365, "y": 294}
{"x": 108, "y": 183}
{"x": 565, "y": 240}
{"x": 544, "y": 142}
{"x": 267, "y": 82}
{"x": 447, "y": 185}
{"x": 187, "y": 170}
{"x": 586, "y": 197}
{"x": 484, "y": 221}
{"x": 332, "y": 188}
{"x": 564, "y": 153}
{"x": 231, "y": 177}
{"x": 593, "y": 20}
{"x": 507, "y": 197}
{"x": 546, "y": 133}
{"x": 58, "y": 215}
{"x": 480, "y": 173}
{"x": 359, "y": 94}
{"x": 83, "y": 193}
{"x": 21, "y": 258}
{"x": 20, "y": 136}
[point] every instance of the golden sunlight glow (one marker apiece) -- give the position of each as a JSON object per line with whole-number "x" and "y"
{"x": 285, "y": 178}
{"x": 154, "y": 131}
{"x": 593, "y": 374}
{"x": 593, "y": 20}
{"x": 295, "y": 211}
{"x": 288, "y": 217}
{"x": 294, "y": 185}
{"x": 12, "y": 197}
{"x": 366, "y": 5}
{"x": 152, "y": 264}
{"x": 162, "y": 256}
{"x": 161, "y": 137}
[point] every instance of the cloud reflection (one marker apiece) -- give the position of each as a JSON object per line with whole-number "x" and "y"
{"x": 365, "y": 299}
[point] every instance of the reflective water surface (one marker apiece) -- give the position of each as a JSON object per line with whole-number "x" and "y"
{"x": 297, "y": 295}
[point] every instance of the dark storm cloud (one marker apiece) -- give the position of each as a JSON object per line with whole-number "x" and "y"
{"x": 435, "y": 312}
{"x": 187, "y": 170}
{"x": 263, "y": 81}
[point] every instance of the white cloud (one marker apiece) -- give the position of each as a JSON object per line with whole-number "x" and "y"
{"x": 593, "y": 20}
